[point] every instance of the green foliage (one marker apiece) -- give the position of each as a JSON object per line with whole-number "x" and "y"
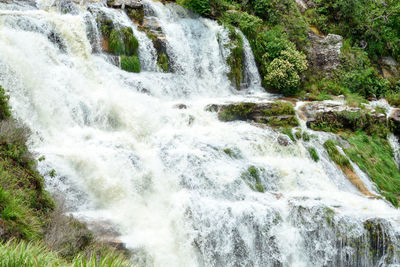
{"x": 281, "y": 64}
{"x": 201, "y": 7}
{"x": 116, "y": 43}
{"x": 313, "y": 154}
{"x": 162, "y": 61}
{"x": 236, "y": 111}
{"x": 374, "y": 22}
{"x": 374, "y": 155}
{"x": 250, "y": 25}
{"x": 280, "y": 108}
{"x": 33, "y": 254}
{"x": 137, "y": 15}
{"x": 130, "y": 63}
{"x": 336, "y": 156}
{"x": 123, "y": 42}
{"x": 5, "y": 110}
{"x": 131, "y": 44}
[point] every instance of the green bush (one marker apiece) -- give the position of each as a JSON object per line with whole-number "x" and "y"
{"x": 250, "y": 25}
{"x": 130, "y": 64}
{"x": 201, "y": 7}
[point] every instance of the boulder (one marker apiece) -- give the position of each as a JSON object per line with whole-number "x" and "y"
{"x": 325, "y": 51}
{"x": 390, "y": 67}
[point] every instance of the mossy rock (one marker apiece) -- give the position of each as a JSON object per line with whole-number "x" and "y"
{"x": 276, "y": 114}
{"x": 337, "y": 118}
{"x": 235, "y": 59}
{"x": 130, "y": 63}
{"x": 162, "y": 61}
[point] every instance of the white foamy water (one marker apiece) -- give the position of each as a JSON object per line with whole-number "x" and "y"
{"x": 161, "y": 175}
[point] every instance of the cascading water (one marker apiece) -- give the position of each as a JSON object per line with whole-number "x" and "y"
{"x": 171, "y": 180}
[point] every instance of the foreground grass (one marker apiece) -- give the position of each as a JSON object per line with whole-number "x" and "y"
{"x": 374, "y": 156}
{"x": 27, "y": 254}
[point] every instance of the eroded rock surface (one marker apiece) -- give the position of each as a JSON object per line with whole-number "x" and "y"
{"x": 325, "y": 51}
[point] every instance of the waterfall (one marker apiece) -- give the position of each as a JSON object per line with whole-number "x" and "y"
{"x": 170, "y": 180}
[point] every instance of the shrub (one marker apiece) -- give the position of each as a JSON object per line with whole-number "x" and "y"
{"x": 250, "y": 25}
{"x": 201, "y": 7}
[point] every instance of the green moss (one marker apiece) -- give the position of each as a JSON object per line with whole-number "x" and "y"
{"x": 280, "y": 108}
{"x": 130, "y": 64}
{"x": 131, "y": 44}
{"x": 162, "y": 61}
{"x": 374, "y": 156}
{"x": 235, "y": 59}
{"x": 106, "y": 26}
{"x": 359, "y": 120}
{"x": 123, "y": 42}
{"x": 116, "y": 43}
{"x": 137, "y": 15}
{"x": 236, "y": 111}
{"x": 313, "y": 154}
{"x": 283, "y": 121}
{"x": 337, "y": 157}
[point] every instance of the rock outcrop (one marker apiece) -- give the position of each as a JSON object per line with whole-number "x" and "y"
{"x": 276, "y": 114}
{"x": 325, "y": 51}
{"x": 125, "y": 4}
{"x": 337, "y": 117}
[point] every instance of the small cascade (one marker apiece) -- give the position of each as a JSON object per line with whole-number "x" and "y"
{"x": 140, "y": 151}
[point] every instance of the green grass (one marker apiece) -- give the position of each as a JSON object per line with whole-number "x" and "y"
{"x": 313, "y": 154}
{"x": 374, "y": 156}
{"x": 130, "y": 64}
{"x": 35, "y": 254}
{"x": 336, "y": 156}
{"x": 288, "y": 132}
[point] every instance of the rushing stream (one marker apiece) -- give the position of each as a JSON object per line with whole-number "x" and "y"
{"x": 124, "y": 153}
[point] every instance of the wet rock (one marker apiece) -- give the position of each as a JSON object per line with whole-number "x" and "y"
{"x": 325, "y": 51}
{"x": 135, "y": 4}
{"x": 335, "y": 117}
{"x": 389, "y": 67}
{"x": 106, "y": 233}
{"x": 283, "y": 140}
{"x": 180, "y": 106}
{"x": 67, "y": 7}
{"x": 277, "y": 114}
{"x": 394, "y": 121}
